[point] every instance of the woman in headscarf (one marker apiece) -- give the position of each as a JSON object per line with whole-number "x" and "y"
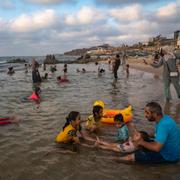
{"x": 168, "y": 59}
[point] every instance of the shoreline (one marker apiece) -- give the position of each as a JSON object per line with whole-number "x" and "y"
{"x": 147, "y": 68}
{"x": 138, "y": 63}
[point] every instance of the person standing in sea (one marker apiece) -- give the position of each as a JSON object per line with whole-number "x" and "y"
{"x": 117, "y": 63}
{"x": 36, "y": 78}
{"x": 123, "y": 60}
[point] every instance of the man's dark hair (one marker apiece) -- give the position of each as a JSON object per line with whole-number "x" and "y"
{"x": 155, "y": 108}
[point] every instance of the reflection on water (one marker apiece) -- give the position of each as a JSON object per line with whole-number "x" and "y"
{"x": 23, "y": 147}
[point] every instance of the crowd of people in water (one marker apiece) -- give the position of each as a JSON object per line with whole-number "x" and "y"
{"x": 134, "y": 145}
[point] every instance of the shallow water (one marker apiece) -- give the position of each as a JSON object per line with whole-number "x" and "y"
{"x": 23, "y": 147}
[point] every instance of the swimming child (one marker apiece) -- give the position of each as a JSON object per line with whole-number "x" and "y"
{"x": 10, "y": 71}
{"x": 93, "y": 121}
{"x": 64, "y": 79}
{"x": 83, "y": 70}
{"x": 77, "y": 70}
{"x": 53, "y": 69}
{"x": 35, "y": 95}
{"x": 9, "y": 120}
{"x": 101, "y": 70}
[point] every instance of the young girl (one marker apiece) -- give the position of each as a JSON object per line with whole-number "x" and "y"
{"x": 70, "y": 129}
{"x": 93, "y": 121}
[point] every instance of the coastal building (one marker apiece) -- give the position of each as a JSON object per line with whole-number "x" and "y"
{"x": 102, "y": 49}
{"x": 161, "y": 41}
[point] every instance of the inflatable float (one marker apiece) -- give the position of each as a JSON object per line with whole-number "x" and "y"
{"x": 108, "y": 114}
{"x": 33, "y": 97}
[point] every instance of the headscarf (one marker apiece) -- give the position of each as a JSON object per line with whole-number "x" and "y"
{"x": 169, "y": 52}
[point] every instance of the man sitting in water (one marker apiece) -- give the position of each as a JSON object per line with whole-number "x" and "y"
{"x": 166, "y": 144}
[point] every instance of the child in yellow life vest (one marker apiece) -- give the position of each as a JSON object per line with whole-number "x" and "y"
{"x": 93, "y": 121}
{"x": 69, "y": 132}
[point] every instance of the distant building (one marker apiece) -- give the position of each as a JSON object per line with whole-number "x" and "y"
{"x": 102, "y": 49}
{"x": 161, "y": 41}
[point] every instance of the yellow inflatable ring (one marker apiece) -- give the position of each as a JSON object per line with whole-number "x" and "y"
{"x": 108, "y": 115}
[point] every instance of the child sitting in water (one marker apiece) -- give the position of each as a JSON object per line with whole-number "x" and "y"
{"x": 68, "y": 136}
{"x": 122, "y": 131}
{"x": 126, "y": 144}
{"x": 126, "y": 147}
{"x": 93, "y": 121}
{"x": 70, "y": 129}
{"x": 35, "y": 95}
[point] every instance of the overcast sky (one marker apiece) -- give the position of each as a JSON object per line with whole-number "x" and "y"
{"x": 40, "y": 27}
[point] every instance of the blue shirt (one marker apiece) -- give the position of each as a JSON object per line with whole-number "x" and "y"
{"x": 123, "y": 133}
{"x": 168, "y": 134}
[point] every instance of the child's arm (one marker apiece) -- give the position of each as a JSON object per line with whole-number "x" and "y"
{"x": 86, "y": 137}
{"x": 84, "y": 120}
{"x": 76, "y": 140}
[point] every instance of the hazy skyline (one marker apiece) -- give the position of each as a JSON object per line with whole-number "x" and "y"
{"x": 40, "y": 27}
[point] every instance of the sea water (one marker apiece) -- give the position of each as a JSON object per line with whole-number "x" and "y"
{"x": 24, "y": 147}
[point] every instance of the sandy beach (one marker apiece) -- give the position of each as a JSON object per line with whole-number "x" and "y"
{"x": 138, "y": 63}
